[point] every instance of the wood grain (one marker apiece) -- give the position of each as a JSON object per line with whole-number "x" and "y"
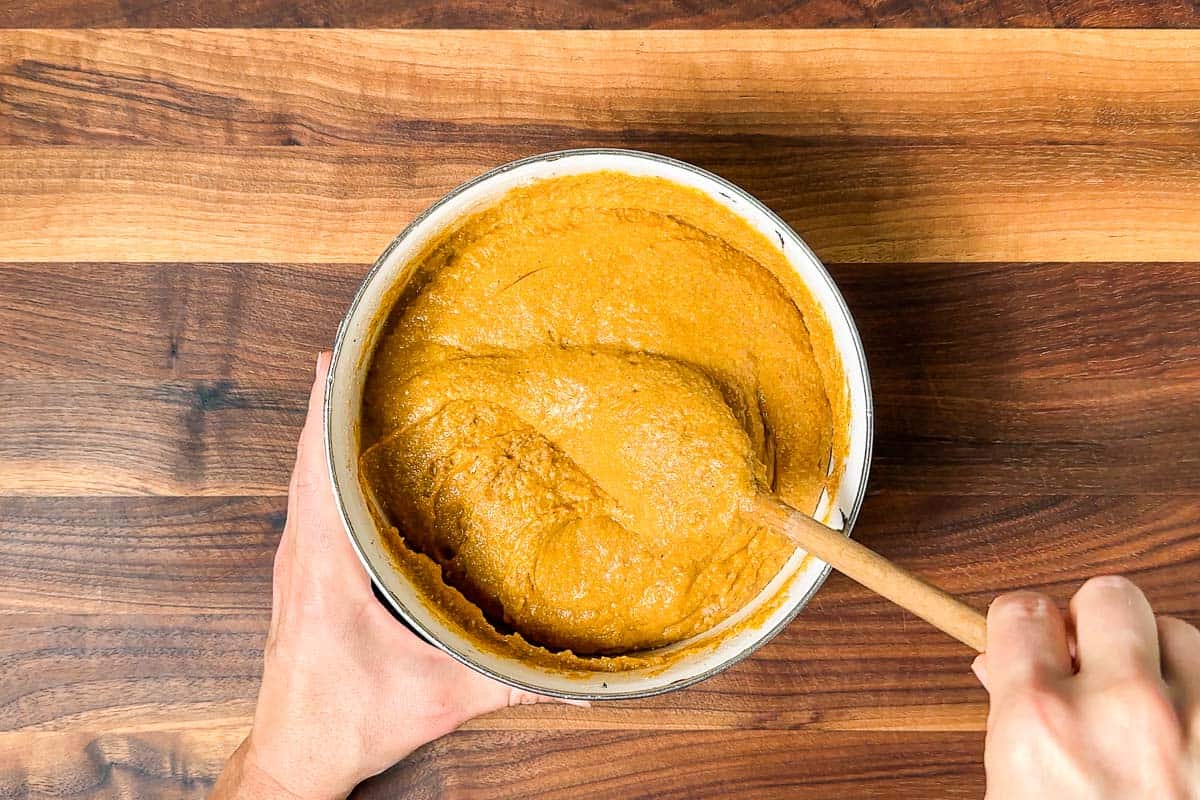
{"x": 851, "y": 202}
{"x": 972, "y": 437}
{"x": 1064, "y": 382}
{"x": 263, "y": 322}
{"x": 910, "y": 171}
{"x": 173, "y": 764}
{"x": 79, "y": 672}
{"x": 95, "y": 591}
{"x": 547, "y": 90}
{"x": 184, "y": 215}
{"x": 160, "y": 556}
{"x": 244, "y": 322}
{"x": 682, "y": 766}
{"x": 182, "y": 437}
{"x": 991, "y": 322}
{"x": 537, "y": 764}
{"x": 876, "y": 572}
{"x": 543, "y": 14}
{"x": 110, "y": 679}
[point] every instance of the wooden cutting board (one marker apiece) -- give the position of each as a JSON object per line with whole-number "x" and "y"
{"x": 1013, "y": 216}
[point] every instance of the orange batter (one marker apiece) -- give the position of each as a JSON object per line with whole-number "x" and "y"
{"x": 573, "y": 395}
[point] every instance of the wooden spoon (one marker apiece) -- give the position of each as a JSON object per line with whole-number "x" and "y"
{"x": 942, "y": 610}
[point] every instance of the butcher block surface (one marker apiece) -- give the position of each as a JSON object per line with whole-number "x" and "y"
{"x": 189, "y": 198}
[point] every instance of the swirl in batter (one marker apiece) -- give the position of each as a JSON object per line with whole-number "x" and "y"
{"x": 571, "y": 398}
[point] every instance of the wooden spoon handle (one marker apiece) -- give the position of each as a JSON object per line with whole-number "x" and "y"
{"x": 938, "y": 608}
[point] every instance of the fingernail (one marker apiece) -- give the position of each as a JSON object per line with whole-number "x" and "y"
{"x": 323, "y": 361}
{"x": 979, "y": 667}
{"x": 578, "y": 703}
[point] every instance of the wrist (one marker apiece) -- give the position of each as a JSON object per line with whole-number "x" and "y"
{"x": 261, "y": 781}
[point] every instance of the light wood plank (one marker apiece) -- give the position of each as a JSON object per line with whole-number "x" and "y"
{"x": 851, "y": 202}
{"x": 244, "y": 87}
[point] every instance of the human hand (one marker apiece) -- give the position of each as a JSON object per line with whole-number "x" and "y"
{"x": 1123, "y": 726}
{"x": 347, "y": 691}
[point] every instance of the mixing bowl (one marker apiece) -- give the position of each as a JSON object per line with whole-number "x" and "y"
{"x": 699, "y": 657}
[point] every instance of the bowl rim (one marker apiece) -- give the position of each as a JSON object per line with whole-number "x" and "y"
{"x": 339, "y": 346}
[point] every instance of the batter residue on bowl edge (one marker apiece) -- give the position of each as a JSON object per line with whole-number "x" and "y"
{"x": 568, "y": 401}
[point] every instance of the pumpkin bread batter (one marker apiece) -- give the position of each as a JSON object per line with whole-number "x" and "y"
{"x": 572, "y": 397}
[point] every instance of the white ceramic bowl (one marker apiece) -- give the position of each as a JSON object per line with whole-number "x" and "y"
{"x": 797, "y": 581}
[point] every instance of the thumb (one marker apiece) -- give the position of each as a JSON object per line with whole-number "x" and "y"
{"x": 483, "y": 695}
{"x": 517, "y": 697}
{"x": 979, "y": 667}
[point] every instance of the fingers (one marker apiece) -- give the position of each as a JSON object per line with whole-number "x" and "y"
{"x": 516, "y": 697}
{"x": 316, "y": 540}
{"x": 474, "y": 693}
{"x": 285, "y": 551}
{"x": 307, "y": 472}
{"x": 1115, "y": 634}
{"x": 979, "y": 667}
{"x": 310, "y": 474}
{"x": 491, "y": 695}
{"x": 1026, "y": 642}
{"x": 1180, "y": 646}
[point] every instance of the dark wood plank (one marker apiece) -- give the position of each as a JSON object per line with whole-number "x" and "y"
{"x": 125, "y": 612}
{"x": 549, "y": 90}
{"x": 549, "y": 764}
{"x": 1014, "y": 436}
{"x": 83, "y": 672}
{"x": 994, "y": 322}
{"x": 600, "y": 14}
{"x": 689, "y": 765}
{"x": 95, "y": 673}
{"x": 112, "y": 688}
{"x": 981, "y": 545}
{"x": 165, "y": 765}
{"x": 1119, "y": 435}
{"x": 112, "y": 556}
{"x": 244, "y": 322}
{"x": 919, "y": 322}
{"x": 132, "y": 705}
{"x": 988, "y": 378}
{"x": 182, "y": 437}
{"x": 951, "y": 413}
